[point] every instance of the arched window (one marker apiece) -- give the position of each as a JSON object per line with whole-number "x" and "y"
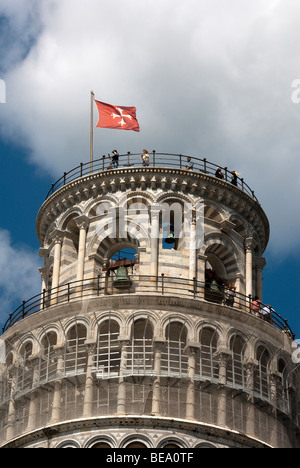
{"x": 108, "y": 355}
{"x": 174, "y": 361}
{"x": 236, "y": 375}
{"x": 206, "y": 365}
{"x": 261, "y": 377}
{"x": 25, "y": 372}
{"x": 48, "y": 363}
{"x": 75, "y": 350}
{"x": 140, "y": 350}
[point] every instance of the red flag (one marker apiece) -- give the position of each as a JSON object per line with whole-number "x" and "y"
{"x": 122, "y": 118}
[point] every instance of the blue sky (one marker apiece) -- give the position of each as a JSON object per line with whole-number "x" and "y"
{"x": 208, "y": 78}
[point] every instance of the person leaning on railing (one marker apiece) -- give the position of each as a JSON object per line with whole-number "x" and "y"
{"x": 256, "y": 307}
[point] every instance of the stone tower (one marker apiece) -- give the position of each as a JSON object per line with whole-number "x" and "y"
{"x": 145, "y": 333}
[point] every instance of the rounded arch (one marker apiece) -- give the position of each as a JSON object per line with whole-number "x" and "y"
{"x": 67, "y": 219}
{"x": 136, "y": 200}
{"x": 68, "y": 444}
{"x": 182, "y": 323}
{"x": 100, "y": 206}
{"x": 102, "y": 317}
{"x": 171, "y": 442}
{"x": 214, "y": 212}
{"x": 74, "y": 323}
{"x": 101, "y": 441}
{"x": 136, "y": 441}
{"x": 147, "y": 316}
{"x": 241, "y": 226}
{"x": 222, "y": 255}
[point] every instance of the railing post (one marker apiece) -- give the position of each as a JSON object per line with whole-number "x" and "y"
{"x": 195, "y": 287}
{"x": 250, "y": 302}
{"x": 65, "y": 178}
{"x": 153, "y": 157}
{"x": 23, "y": 309}
{"x": 128, "y": 158}
{"x": 180, "y": 161}
{"x": 162, "y": 283}
{"x": 44, "y": 297}
{"x": 204, "y": 166}
{"x": 226, "y": 173}
{"x": 103, "y": 158}
{"x": 98, "y": 285}
{"x": 81, "y": 169}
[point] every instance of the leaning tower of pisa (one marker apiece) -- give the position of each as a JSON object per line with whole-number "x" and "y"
{"x": 147, "y": 331}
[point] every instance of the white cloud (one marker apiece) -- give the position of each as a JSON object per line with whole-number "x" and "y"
{"x": 19, "y": 275}
{"x": 208, "y": 78}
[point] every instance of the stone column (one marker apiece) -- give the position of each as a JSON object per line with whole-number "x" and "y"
{"x": 56, "y": 404}
{"x": 89, "y": 383}
{"x": 250, "y": 366}
{"x": 190, "y": 394}
{"x": 260, "y": 263}
{"x": 223, "y": 357}
{"x": 156, "y": 398}
{"x": 193, "y": 249}
{"x": 34, "y": 400}
{"x": 82, "y": 223}
{"x": 154, "y": 241}
{"x": 121, "y": 406}
{"x": 58, "y": 240}
{"x": 10, "y": 426}
{"x": 249, "y": 246}
{"x": 201, "y": 263}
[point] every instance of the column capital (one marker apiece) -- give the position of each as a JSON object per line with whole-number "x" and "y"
{"x": 250, "y": 244}
{"x": 82, "y": 222}
{"x": 260, "y": 263}
{"x": 57, "y": 236}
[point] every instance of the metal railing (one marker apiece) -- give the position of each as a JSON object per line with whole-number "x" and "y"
{"x": 148, "y": 285}
{"x": 168, "y": 160}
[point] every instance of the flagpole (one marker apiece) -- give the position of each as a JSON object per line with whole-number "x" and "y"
{"x": 92, "y": 132}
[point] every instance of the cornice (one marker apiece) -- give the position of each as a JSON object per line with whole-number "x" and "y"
{"x": 169, "y": 180}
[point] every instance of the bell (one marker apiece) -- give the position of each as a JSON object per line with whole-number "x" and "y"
{"x": 214, "y": 286}
{"x": 122, "y": 280}
{"x": 170, "y": 239}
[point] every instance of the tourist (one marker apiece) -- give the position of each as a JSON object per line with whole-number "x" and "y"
{"x": 115, "y": 159}
{"x": 256, "y": 306}
{"x": 219, "y": 174}
{"x": 230, "y": 295}
{"x": 234, "y": 177}
{"x": 190, "y": 165}
{"x": 145, "y": 157}
{"x": 267, "y": 313}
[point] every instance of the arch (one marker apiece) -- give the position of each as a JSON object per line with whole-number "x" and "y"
{"x": 217, "y": 246}
{"x": 261, "y": 373}
{"x": 171, "y": 442}
{"x": 93, "y": 208}
{"x": 205, "y": 445}
{"x": 68, "y": 444}
{"x": 101, "y": 441}
{"x": 136, "y": 441}
{"x": 241, "y": 226}
{"x": 213, "y": 211}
